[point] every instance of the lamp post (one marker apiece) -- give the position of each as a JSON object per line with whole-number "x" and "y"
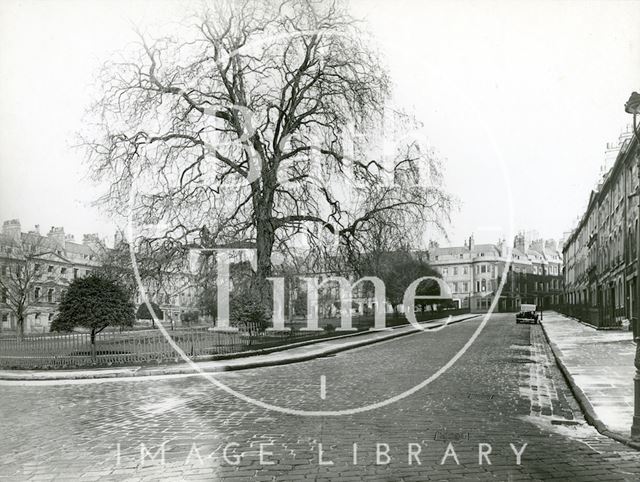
{"x": 633, "y": 107}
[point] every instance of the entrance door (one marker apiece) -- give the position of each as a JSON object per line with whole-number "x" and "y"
{"x": 613, "y": 303}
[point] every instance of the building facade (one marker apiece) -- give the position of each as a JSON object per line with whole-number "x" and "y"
{"x": 600, "y": 254}
{"x": 474, "y": 272}
{"x": 40, "y": 267}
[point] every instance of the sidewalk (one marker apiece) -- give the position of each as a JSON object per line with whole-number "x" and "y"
{"x": 599, "y": 367}
{"x": 293, "y": 353}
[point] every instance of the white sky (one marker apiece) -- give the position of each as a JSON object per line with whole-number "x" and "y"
{"x": 513, "y": 93}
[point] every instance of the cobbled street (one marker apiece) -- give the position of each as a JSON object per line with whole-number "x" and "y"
{"x": 504, "y": 392}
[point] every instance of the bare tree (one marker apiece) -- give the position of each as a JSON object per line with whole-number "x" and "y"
{"x": 23, "y": 277}
{"x": 162, "y": 270}
{"x": 262, "y": 121}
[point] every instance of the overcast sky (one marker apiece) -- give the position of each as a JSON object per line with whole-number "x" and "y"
{"x": 519, "y": 97}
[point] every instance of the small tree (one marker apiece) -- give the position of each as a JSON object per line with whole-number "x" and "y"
{"x": 94, "y": 302}
{"x": 143, "y": 312}
{"x": 398, "y": 269}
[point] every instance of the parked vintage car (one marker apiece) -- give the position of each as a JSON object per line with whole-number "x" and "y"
{"x": 528, "y": 314}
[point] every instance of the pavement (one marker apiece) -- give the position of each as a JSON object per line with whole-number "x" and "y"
{"x": 503, "y": 394}
{"x": 292, "y": 353}
{"x": 599, "y": 366}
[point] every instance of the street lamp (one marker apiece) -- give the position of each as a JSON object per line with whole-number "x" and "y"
{"x": 633, "y": 107}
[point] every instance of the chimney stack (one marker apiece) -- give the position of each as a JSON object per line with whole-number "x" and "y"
{"x": 538, "y": 245}
{"x": 93, "y": 241}
{"x": 518, "y": 242}
{"x": 12, "y": 228}
{"x": 57, "y": 235}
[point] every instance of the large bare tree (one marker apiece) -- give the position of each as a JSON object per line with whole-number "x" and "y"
{"x": 263, "y": 121}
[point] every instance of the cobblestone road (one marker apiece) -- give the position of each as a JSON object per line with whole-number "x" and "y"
{"x": 503, "y": 393}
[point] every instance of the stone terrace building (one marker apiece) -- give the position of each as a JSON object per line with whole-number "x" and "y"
{"x": 600, "y": 254}
{"x": 474, "y": 272}
{"x": 56, "y": 260}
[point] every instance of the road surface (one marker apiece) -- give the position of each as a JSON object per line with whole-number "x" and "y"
{"x": 471, "y": 423}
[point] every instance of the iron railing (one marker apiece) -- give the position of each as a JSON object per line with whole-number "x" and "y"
{"x": 140, "y": 347}
{"x": 591, "y": 315}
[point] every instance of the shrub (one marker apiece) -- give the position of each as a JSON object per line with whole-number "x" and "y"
{"x": 143, "y": 312}
{"x": 250, "y": 314}
{"x": 190, "y": 317}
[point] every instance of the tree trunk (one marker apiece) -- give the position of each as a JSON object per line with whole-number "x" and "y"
{"x": 93, "y": 345}
{"x": 265, "y": 237}
{"x": 20, "y": 326}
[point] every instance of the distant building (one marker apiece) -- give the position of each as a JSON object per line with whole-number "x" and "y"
{"x": 474, "y": 273}
{"x": 56, "y": 259}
